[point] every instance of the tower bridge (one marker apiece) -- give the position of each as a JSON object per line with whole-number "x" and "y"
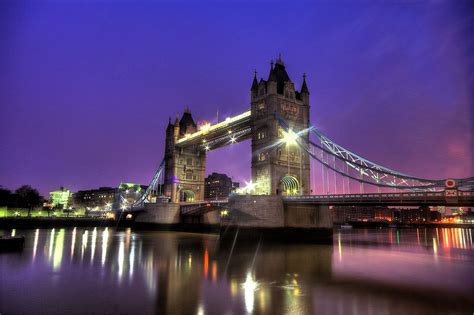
{"x": 284, "y": 143}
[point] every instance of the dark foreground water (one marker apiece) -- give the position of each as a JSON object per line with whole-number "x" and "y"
{"x": 106, "y": 271}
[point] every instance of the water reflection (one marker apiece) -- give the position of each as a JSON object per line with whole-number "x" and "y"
{"x": 58, "y": 250}
{"x": 105, "y": 240}
{"x": 35, "y": 244}
{"x": 73, "y": 242}
{"x": 366, "y": 271}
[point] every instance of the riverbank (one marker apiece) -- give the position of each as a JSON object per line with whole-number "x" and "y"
{"x": 57, "y": 222}
{"x": 51, "y": 222}
{"x": 374, "y": 224}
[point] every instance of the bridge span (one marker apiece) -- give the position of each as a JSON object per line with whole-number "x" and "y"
{"x": 286, "y": 153}
{"x": 407, "y": 199}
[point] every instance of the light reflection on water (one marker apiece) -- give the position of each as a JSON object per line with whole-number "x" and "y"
{"x": 126, "y": 271}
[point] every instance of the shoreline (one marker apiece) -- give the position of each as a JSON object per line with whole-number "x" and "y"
{"x": 48, "y": 222}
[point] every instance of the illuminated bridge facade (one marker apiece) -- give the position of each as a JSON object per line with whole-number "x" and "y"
{"x": 284, "y": 145}
{"x": 276, "y": 169}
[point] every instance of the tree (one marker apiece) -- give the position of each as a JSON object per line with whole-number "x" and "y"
{"x": 6, "y": 197}
{"x": 28, "y": 197}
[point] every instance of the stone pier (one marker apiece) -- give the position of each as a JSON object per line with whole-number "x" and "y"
{"x": 252, "y": 217}
{"x": 159, "y": 213}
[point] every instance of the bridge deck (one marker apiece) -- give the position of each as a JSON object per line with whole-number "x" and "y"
{"x": 463, "y": 198}
{"x": 237, "y": 127}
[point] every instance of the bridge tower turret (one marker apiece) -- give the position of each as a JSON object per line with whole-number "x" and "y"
{"x": 184, "y": 167}
{"x": 282, "y": 169}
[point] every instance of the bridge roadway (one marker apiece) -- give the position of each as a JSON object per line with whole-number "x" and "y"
{"x": 212, "y": 137}
{"x": 438, "y": 198}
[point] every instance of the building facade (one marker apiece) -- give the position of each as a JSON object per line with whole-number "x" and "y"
{"x": 184, "y": 168}
{"x": 278, "y": 119}
{"x": 95, "y": 198}
{"x": 60, "y": 199}
{"x": 284, "y": 168}
{"x": 219, "y": 186}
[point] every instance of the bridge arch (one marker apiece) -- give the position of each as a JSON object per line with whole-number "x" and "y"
{"x": 187, "y": 195}
{"x": 290, "y": 185}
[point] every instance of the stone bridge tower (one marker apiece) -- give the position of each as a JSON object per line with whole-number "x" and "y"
{"x": 184, "y": 167}
{"x": 279, "y": 169}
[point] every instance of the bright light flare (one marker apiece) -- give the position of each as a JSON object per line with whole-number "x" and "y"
{"x": 205, "y": 127}
{"x": 290, "y": 137}
{"x": 249, "y": 186}
{"x": 249, "y": 286}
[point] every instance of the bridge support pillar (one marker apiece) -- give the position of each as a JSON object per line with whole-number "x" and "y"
{"x": 159, "y": 213}
{"x": 252, "y": 217}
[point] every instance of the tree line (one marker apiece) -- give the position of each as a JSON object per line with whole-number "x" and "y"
{"x": 25, "y": 197}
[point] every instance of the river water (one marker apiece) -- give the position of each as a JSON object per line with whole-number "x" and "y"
{"x": 107, "y": 271}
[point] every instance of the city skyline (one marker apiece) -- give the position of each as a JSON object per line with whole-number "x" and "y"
{"x": 86, "y": 105}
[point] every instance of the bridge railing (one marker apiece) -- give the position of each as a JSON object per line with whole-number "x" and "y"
{"x": 203, "y": 202}
{"x": 382, "y": 196}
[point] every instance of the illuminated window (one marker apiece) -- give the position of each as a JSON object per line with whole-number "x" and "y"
{"x": 280, "y": 132}
{"x": 262, "y": 156}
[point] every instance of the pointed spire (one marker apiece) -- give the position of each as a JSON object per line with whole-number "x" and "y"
{"x": 279, "y": 60}
{"x": 304, "y": 87}
{"x": 170, "y": 125}
{"x": 254, "y": 83}
{"x": 271, "y": 75}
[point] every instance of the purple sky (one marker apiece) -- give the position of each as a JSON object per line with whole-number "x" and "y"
{"x": 86, "y": 89}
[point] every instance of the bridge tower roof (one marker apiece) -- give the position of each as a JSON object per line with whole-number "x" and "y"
{"x": 278, "y": 74}
{"x": 255, "y": 82}
{"x": 187, "y": 124}
{"x": 304, "y": 87}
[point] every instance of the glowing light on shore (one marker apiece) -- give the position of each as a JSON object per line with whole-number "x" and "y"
{"x": 249, "y": 186}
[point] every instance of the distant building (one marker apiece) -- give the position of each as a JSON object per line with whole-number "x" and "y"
{"x": 218, "y": 186}
{"x": 93, "y": 198}
{"x": 417, "y": 215}
{"x": 344, "y": 214}
{"x": 60, "y": 198}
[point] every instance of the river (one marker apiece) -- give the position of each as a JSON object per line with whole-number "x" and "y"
{"x": 366, "y": 271}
